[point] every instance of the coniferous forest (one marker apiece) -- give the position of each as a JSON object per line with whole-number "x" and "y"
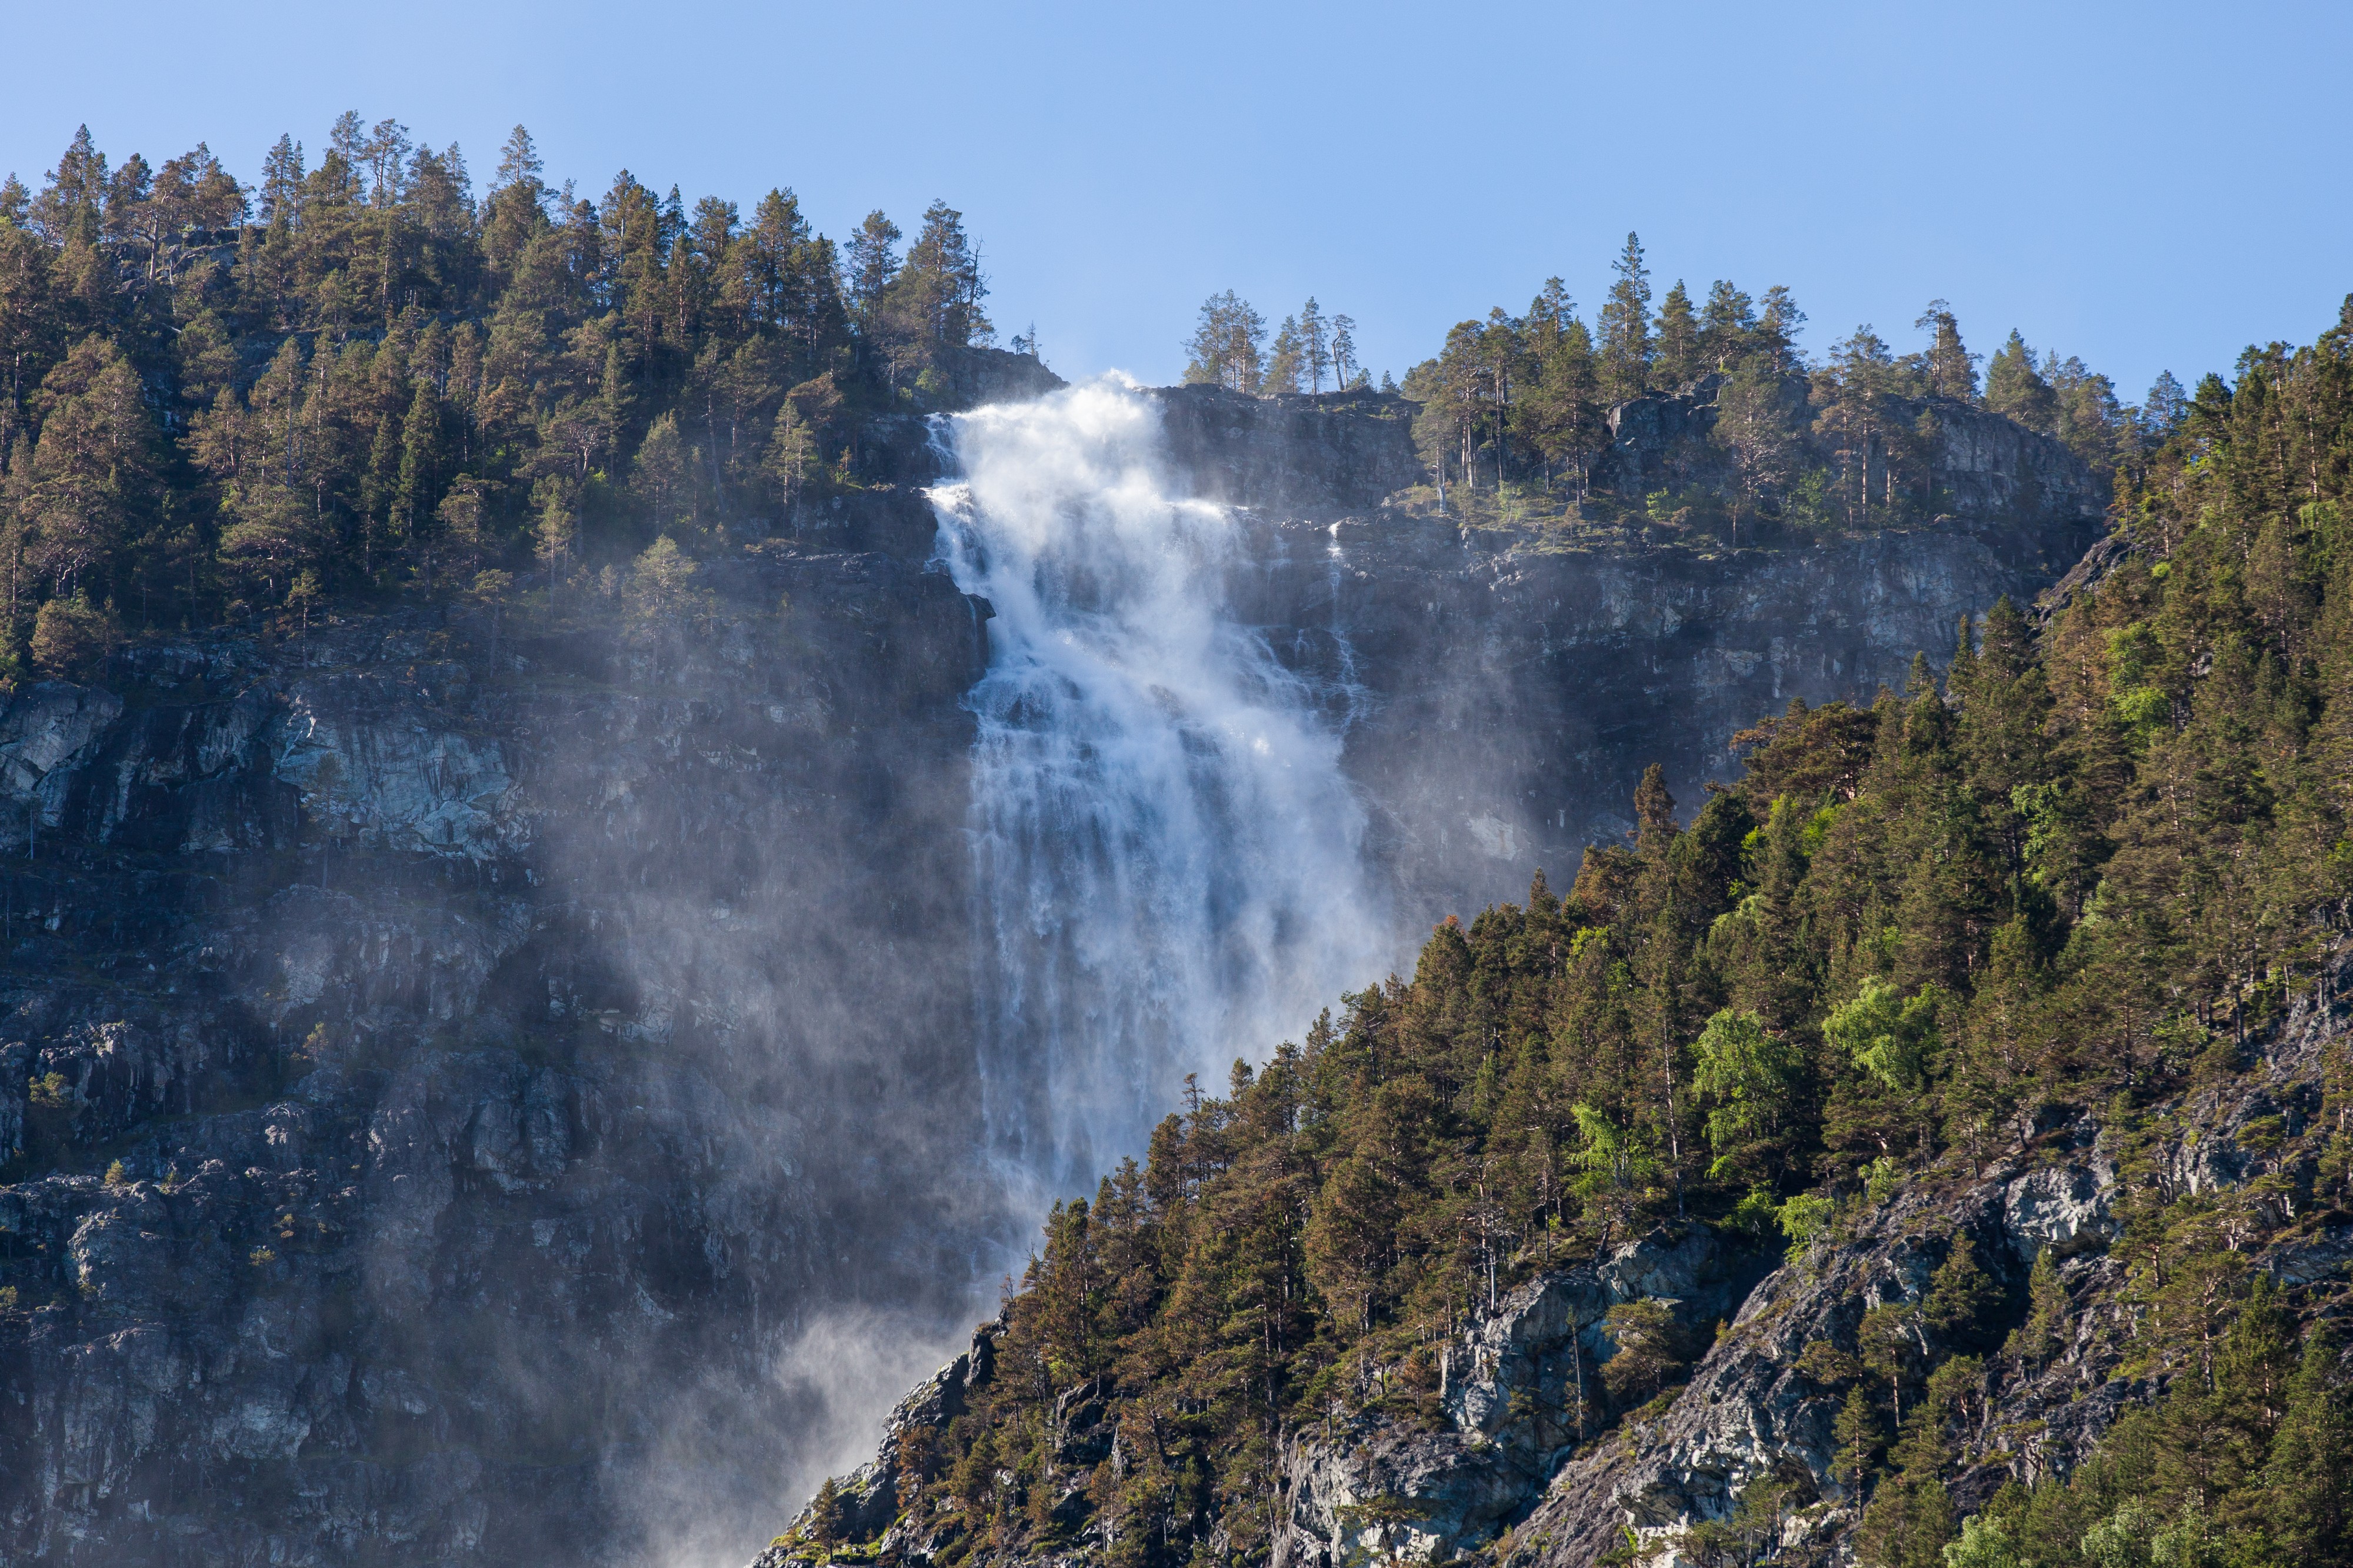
{"x": 2082, "y": 867}
{"x": 353, "y": 379}
{"x": 1516, "y": 410}
{"x": 2082, "y": 871}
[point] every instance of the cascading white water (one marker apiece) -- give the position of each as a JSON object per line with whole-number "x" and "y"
{"x": 1166, "y": 850}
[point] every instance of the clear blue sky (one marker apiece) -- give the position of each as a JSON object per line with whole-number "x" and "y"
{"x": 2150, "y": 186}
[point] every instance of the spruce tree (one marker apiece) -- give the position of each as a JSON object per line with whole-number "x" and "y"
{"x": 1287, "y": 360}
{"x": 1679, "y": 357}
{"x": 1727, "y": 326}
{"x": 2013, "y": 386}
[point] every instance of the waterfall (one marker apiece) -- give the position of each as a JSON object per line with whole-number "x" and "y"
{"x": 1166, "y": 852}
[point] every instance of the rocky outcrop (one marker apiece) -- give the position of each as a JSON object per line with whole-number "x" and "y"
{"x": 2061, "y": 1209}
{"x": 1503, "y": 695}
{"x": 1751, "y": 1412}
{"x": 1520, "y": 1390}
{"x": 867, "y": 1504}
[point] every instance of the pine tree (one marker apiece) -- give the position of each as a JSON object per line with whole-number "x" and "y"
{"x": 1314, "y": 345}
{"x": 1557, "y": 413}
{"x": 2309, "y": 1472}
{"x": 1961, "y": 1297}
{"x": 1347, "y": 375}
{"x": 1777, "y": 326}
{"x": 873, "y": 263}
{"x": 1227, "y": 345}
{"x": 2165, "y": 407}
{"x": 554, "y": 531}
{"x": 1757, "y": 430}
{"x": 281, "y": 180}
{"x": 92, "y": 480}
{"x": 1951, "y": 369}
{"x": 72, "y": 205}
{"x": 1626, "y": 350}
{"x": 939, "y": 287}
{"x": 1860, "y": 1437}
{"x": 421, "y": 461}
{"x": 1879, "y": 463}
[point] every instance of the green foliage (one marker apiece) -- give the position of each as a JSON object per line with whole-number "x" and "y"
{"x": 1860, "y": 1437}
{"x": 1804, "y": 1219}
{"x": 1913, "y": 935}
{"x": 1757, "y": 1213}
{"x": 71, "y": 637}
{"x": 1962, "y": 1298}
{"x": 824, "y": 1510}
{"x": 1227, "y": 347}
{"x": 1825, "y": 1365}
{"x": 661, "y": 592}
{"x": 1520, "y": 405}
{"x": 1752, "y": 1076}
{"x": 2045, "y": 1330}
{"x": 1889, "y": 1035}
{"x": 370, "y": 379}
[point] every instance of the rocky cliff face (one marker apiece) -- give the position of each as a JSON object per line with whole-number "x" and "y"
{"x": 1507, "y": 685}
{"x": 452, "y": 1058}
{"x": 1519, "y": 1393}
{"x": 443, "y": 1053}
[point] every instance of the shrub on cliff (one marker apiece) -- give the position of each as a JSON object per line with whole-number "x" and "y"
{"x": 72, "y": 638}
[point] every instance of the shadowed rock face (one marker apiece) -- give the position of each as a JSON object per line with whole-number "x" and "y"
{"x": 1512, "y": 695}
{"x": 497, "y": 1034}
{"x": 1507, "y": 686}
{"x": 512, "y": 1040}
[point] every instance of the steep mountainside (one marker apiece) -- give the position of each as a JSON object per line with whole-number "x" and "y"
{"x": 1931, "y": 1153}
{"x": 455, "y": 1054}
